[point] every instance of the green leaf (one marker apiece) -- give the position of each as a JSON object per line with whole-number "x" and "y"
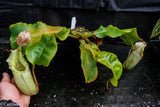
{"x": 156, "y": 29}
{"x": 42, "y": 52}
{"x": 93, "y": 48}
{"x": 114, "y": 82}
{"x": 131, "y": 37}
{"x": 36, "y": 30}
{"x": 88, "y": 64}
{"x": 23, "y": 49}
{"x": 63, "y": 34}
{"x": 111, "y": 61}
{"x": 110, "y": 31}
{"x": 14, "y": 45}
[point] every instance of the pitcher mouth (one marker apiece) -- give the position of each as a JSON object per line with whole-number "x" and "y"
{"x": 19, "y": 66}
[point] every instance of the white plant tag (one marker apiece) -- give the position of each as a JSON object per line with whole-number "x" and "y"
{"x": 73, "y": 23}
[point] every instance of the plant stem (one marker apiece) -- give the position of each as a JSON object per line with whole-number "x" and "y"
{"x": 74, "y": 36}
{"x": 88, "y": 34}
{"x": 34, "y": 76}
{"x": 83, "y": 37}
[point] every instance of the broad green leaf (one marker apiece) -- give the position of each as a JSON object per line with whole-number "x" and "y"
{"x": 36, "y": 29}
{"x": 156, "y": 29}
{"x": 63, "y": 34}
{"x": 110, "y": 31}
{"x": 111, "y": 61}
{"x": 43, "y": 51}
{"x": 88, "y": 64}
{"x": 131, "y": 37}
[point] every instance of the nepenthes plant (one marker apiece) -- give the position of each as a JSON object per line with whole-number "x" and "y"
{"x": 35, "y": 44}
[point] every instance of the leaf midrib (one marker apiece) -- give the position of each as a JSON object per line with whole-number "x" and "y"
{"x": 42, "y": 51}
